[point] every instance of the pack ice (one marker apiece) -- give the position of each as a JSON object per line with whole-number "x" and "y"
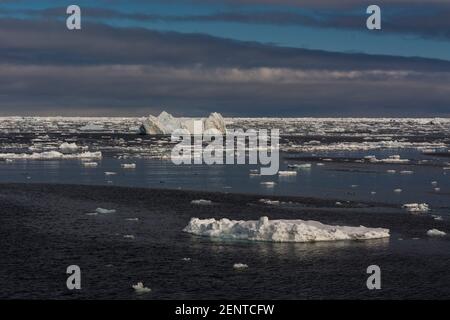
{"x": 280, "y": 230}
{"x": 165, "y": 123}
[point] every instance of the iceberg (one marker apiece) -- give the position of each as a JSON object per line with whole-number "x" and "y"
{"x": 166, "y": 124}
{"x": 280, "y": 230}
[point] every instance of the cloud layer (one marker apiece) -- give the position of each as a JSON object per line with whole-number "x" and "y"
{"x": 104, "y": 70}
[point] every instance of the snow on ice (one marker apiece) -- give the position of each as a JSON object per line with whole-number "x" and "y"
{"x": 280, "y": 230}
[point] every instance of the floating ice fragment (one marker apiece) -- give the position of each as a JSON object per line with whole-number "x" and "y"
{"x": 280, "y": 230}
{"x": 202, "y": 202}
{"x": 240, "y": 266}
{"x": 270, "y": 202}
{"x": 51, "y": 155}
{"x": 416, "y": 207}
{"x": 128, "y": 236}
{"x": 436, "y": 233}
{"x": 90, "y": 164}
{"x": 287, "y": 173}
{"x": 269, "y": 184}
{"x": 128, "y": 166}
{"x": 68, "y": 147}
{"x": 139, "y": 288}
{"x": 105, "y": 211}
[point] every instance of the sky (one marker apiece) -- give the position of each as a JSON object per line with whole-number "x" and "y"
{"x": 278, "y": 58}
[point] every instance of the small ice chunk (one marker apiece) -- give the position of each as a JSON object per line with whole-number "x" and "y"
{"x": 268, "y": 184}
{"x": 128, "y": 166}
{"x": 436, "y": 233}
{"x": 406, "y": 172}
{"x": 398, "y": 190}
{"x": 416, "y": 207}
{"x": 240, "y": 266}
{"x": 287, "y": 173}
{"x": 105, "y": 211}
{"x": 90, "y": 164}
{"x": 132, "y": 219}
{"x": 391, "y": 171}
{"x": 107, "y": 173}
{"x": 140, "y": 288}
{"x": 129, "y": 236}
{"x": 186, "y": 259}
{"x": 270, "y": 202}
{"x": 202, "y": 202}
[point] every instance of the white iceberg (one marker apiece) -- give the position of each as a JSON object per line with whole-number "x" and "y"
{"x": 280, "y": 230}
{"x": 165, "y": 124}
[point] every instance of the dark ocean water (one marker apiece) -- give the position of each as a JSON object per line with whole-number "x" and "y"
{"x": 44, "y": 228}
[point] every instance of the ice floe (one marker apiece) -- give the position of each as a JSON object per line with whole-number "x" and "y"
{"x": 140, "y": 288}
{"x": 202, "y": 202}
{"x": 416, "y": 207}
{"x": 51, "y": 155}
{"x": 240, "y": 266}
{"x": 280, "y": 230}
{"x": 65, "y": 147}
{"x": 105, "y": 211}
{"x": 128, "y": 165}
{"x": 436, "y": 233}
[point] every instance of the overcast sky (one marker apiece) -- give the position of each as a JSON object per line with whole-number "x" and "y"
{"x": 237, "y": 57}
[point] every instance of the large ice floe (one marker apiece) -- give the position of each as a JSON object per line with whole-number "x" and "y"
{"x": 165, "y": 123}
{"x": 51, "y": 155}
{"x": 280, "y": 230}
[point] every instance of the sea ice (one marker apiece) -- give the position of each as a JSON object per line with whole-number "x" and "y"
{"x": 140, "y": 288}
{"x": 287, "y": 173}
{"x": 104, "y": 211}
{"x": 270, "y": 202}
{"x": 202, "y": 202}
{"x": 165, "y": 123}
{"x": 240, "y": 266}
{"x": 128, "y": 166}
{"x": 436, "y": 233}
{"x": 280, "y": 230}
{"x": 51, "y": 155}
{"x": 90, "y": 164}
{"x": 68, "y": 147}
{"x": 416, "y": 207}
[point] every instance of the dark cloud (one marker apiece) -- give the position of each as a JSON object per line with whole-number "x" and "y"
{"x": 47, "y": 69}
